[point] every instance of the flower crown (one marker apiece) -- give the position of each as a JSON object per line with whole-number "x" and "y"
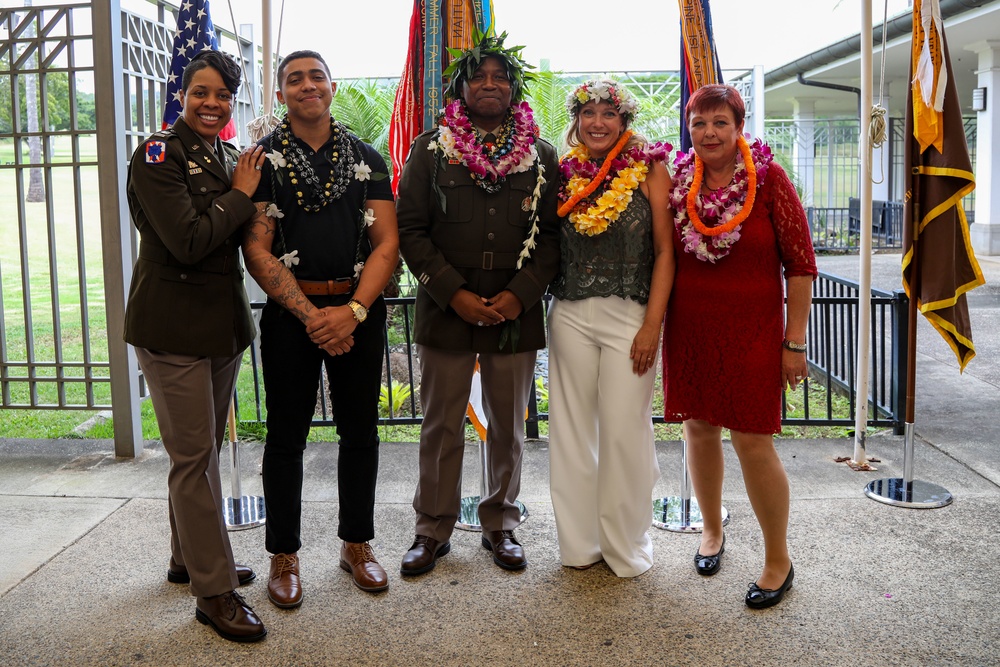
{"x": 603, "y": 90}
{"x": 464, "y": 64}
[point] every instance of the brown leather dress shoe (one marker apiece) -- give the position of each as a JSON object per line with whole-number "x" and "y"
{"x": 178, "y": 574}
{"x": 423, "y": 555}
{"x": 283, "y": 587}
{"x": 507, "y": 551}
{"x": 231, "y": 617}
{"x": 359, "y": 559}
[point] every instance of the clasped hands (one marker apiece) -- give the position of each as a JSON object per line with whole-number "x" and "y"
{"x": 486, "y": 311}
{"x": 332, "y": 329}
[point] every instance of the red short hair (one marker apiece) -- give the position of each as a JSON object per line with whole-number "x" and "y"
{"x": 714, "y": 96}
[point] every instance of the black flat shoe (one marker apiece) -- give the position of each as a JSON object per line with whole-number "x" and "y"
{"x": 709, "y": 565}
{"x": 762, "y": 598}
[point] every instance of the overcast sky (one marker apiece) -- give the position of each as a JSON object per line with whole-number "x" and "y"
{"x": 368, "y": 37}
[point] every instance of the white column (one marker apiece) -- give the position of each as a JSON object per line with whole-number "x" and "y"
{"x": 985, "y": 232}
{"x": 804, "y": 151}
{"x": 756, "y": 120}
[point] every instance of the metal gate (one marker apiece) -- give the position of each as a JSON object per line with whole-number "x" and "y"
{"x": 83, "y": 82}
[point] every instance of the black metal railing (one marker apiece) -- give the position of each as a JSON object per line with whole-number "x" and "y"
{"x": 839, "y": 229}
{"x": 832, "y": 354}
{"x": 833, "y": 344}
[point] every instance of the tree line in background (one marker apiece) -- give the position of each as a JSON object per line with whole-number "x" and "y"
{"x": 55, "y": 92}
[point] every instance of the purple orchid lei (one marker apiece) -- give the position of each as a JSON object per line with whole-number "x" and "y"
{"x": 718, "y": 206}
{"x": 457, "y": 140}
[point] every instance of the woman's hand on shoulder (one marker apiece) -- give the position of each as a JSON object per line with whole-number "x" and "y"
{"x": 246, "y": 174}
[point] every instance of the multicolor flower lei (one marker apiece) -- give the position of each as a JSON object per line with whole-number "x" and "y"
{"x": 725, "y": 209}
{"x": 457, "y": 140}
{"x": 620, "y": 175}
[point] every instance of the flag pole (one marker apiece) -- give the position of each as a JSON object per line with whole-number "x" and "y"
{"x": 862, "y": 371}
{"x": 239, "y": 511}
{"x": 268, "y": 64}
{"x": 905, "y": 491}
{"x": 681, "y": 514}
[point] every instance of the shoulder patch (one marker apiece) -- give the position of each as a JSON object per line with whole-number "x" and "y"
{"x": 156, "y": 152}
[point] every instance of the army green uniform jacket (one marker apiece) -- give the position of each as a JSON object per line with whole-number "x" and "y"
{"x": 473, "y": 243}
{"x": 187, "y": 294}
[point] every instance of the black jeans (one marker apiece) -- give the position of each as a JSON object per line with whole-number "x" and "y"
{"x": 292, "y": 365}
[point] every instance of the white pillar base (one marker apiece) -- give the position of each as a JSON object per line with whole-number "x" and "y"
{"x": 985, "y": 239}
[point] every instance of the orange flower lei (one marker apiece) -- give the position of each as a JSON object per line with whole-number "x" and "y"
{"x": 571, "y": 203}
{"x": 739, "y": 218}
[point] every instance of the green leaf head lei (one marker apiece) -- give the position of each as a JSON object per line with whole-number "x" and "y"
{"x": 465, "y": 63}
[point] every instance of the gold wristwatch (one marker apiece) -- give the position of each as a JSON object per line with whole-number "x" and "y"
{"x": 360, "y": 312}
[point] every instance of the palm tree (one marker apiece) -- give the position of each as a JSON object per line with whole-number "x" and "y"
{"x": 365, "y": 107}
{"x": 547, "y": 96}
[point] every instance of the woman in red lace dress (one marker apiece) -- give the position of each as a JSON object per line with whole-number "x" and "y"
{"x": 731, "y": 345}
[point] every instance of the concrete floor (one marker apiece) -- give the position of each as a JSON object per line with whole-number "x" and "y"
{"x": 82, "y": 577}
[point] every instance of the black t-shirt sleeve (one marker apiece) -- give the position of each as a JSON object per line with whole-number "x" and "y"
{"x": 379, "y": 184}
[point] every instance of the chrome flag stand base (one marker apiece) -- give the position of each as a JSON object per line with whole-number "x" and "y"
{"x": 244, "y": 512}
{"x": 468, "y": 512}
{"x": 905, "y": 491}
{"x": 240, "y": 512}
{"x": 680, "y": 514}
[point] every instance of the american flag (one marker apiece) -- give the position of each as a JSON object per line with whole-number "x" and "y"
{"x": 195, "y": 33}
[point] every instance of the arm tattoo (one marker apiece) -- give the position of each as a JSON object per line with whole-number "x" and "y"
{"x": 271, "y": 274}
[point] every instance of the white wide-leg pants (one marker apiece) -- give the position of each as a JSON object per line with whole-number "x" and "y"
{"x": 602, "y": 461}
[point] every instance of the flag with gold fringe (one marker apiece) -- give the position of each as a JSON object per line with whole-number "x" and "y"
{"x": 939, "y": 265}
{"x": 699, "y": 62}
{"x": 435, "y": 26}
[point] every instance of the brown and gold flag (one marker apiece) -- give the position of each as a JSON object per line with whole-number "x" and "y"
{"x": 940, "y": 261}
